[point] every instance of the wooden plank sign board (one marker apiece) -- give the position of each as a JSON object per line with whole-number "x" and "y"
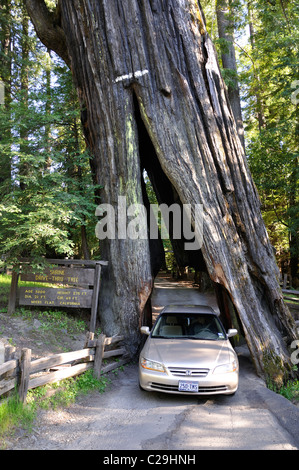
{"x": 72, "y": 292}
{"x": 63, "y": 275}
{"x": 52, "y": 297}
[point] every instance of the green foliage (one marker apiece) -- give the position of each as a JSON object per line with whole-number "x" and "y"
{"x": 290, "y": 390}
{"x": 65, "y": 392}
{"x": 266, "y": 45}
{"x": 14, "y": 414}
{"x": 271, "y": 118}
{"x": 44, "y": 216}
{"x": 46, "y": 188}
{"x": 53, "y": 320}
{"x": 230, "y": 76}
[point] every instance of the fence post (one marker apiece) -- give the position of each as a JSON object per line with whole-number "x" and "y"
{"x": 89, "y": 340}
{"x": 9, "y": 354}
{"x": 25, "y": 363}
{"x": 285, "y": 281}
{"x": 95, "y": 298}
{"x": 13, "y": 293}
{"x": 100, "y": 345}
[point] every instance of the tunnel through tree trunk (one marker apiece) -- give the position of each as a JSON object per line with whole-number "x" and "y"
{"x": 165, "y": 194}
{"x": 160, "y": 52}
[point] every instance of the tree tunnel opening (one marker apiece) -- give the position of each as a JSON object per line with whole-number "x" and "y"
{"x": 157, "y": 189}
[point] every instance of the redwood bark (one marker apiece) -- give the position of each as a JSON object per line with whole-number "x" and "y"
{"x": 155, "y": 58}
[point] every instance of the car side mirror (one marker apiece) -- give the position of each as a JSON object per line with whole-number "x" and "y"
{"x": 145, "y": 330}
{"x": 232, "y": 332}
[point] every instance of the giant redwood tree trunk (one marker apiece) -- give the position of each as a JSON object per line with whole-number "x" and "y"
{"x": 152, "y": 98}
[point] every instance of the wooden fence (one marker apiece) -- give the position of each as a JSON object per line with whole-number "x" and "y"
{"x": 292, "y": 296}
{"x": 24, "y": 374}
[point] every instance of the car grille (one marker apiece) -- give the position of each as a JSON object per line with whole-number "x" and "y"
{"x": 174, "y": 388}
{"x": 164, "y": 387}
{"x": 184, "y": 372}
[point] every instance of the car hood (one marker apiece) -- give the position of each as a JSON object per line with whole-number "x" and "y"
{"x": 188, "y": 352}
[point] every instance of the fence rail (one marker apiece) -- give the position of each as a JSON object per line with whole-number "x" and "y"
{"x": 292, "y": 301}
{"x": 24, "y": 374}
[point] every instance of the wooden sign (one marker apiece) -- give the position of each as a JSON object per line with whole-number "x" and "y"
{"x": 51, "y": 297}
{"x": 62, "y": 275}
{"x": 73, "y": 292}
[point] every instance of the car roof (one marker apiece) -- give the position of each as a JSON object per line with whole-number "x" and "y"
{"x": 186, "y": 308}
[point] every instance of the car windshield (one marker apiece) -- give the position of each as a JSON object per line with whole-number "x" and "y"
{"x": 189, "y": 326}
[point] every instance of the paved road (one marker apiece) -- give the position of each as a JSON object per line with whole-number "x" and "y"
{"x": 126, "y": 418}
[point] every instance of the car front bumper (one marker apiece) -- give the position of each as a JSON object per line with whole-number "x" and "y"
{"x": 212, "y": 384}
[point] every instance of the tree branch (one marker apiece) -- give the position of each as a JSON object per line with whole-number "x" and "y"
{"x": 47, "y": 27}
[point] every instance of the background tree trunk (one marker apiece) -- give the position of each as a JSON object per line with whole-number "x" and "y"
{"x": 5, "y": 78}
{"x": 24, "y": 76}
{"x": 154, "y": 61}
{"x": 226, "y": 31}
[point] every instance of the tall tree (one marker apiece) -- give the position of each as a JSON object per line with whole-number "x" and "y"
{"x": 24, "y": 95}
{"x": 5, "y": 77}
{"x": 149, "y": 68}
{"x": 225, "y": 21}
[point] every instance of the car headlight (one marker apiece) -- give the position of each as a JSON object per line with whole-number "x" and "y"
{"x": 151, "y": 365}
{"x": 225, "y": 368}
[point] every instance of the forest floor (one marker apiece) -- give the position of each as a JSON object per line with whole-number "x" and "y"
{"x": 42, "y": 339}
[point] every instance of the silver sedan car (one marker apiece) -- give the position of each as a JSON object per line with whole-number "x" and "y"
{"x": 188, "y": 352}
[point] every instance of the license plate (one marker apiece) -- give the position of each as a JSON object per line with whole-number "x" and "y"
{"x": 188, "y": 386}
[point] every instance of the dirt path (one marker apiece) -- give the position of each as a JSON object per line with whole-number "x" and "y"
{"x": 125, "y": 418}
{"x": 169, "y": 291}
